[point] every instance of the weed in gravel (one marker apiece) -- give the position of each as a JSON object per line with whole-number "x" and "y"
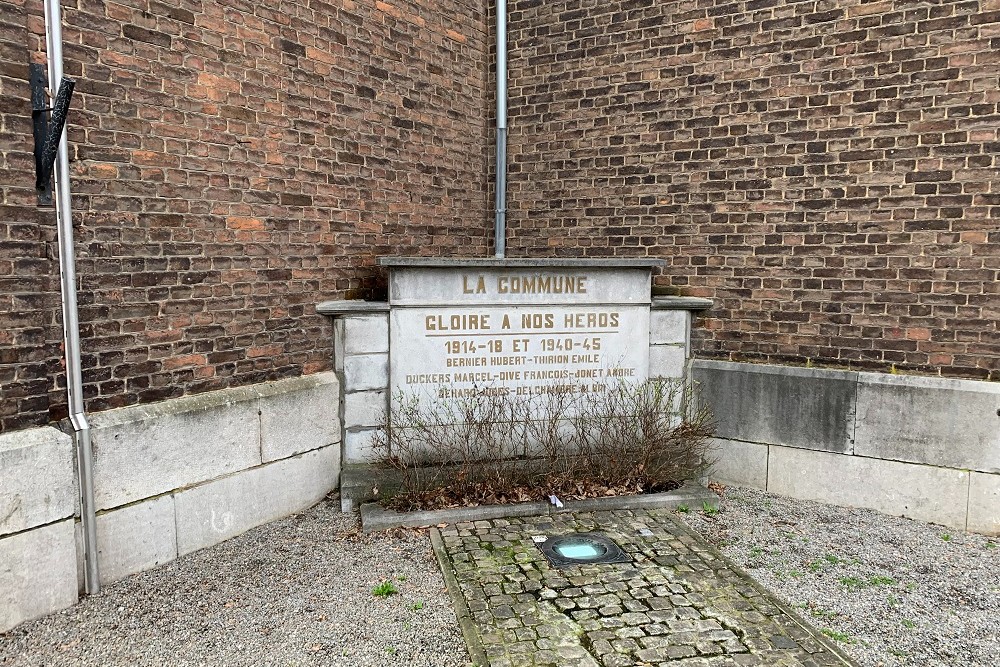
{"x": 815, "y": 566}
{"x": 990, "y": 544}
{"x": 385, "y": 589}
{"x": 796, "y": 573}
{"x": 831, "y": 559}
{"x": 857, "y": 582}
{"x": 819, "y": 612}
{"x": 708, "y": 509}
{"x": 907, "y": 623}
{"x": 683, "y": 509}
{"x": 837, "y": 636}
{"x": 946, "y": 537}
{"x": 417, "y": 606}
{"x": 852, "y": 582}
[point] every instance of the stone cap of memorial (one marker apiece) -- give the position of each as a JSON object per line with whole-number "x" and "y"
{"x": 493, "y": 262}
{"x": 351, "y": 307}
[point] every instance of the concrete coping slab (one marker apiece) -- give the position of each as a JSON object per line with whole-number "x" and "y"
{"x": 680, "y": 303}
{"x": 520, "y": 262}
{"x": 206, "y": 402}
{"x": 908, "y": 381}
{"x": 351, "y": 307}
{"x": 374, "y": 517}
{"x": 291, "y": 385}
{"x": 211, "y": 400}
{"x": 768, "y": 369}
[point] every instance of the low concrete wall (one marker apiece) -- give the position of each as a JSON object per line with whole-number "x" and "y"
{"x": 38, "y": 571}
{"x": 921, "y": 447}
{"x": 170, "y": 478}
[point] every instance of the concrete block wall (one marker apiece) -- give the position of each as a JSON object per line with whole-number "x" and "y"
{"x": 669, "y": 333}
{"x": 670, "y": 319}
{"x": 361, "y": 360}
{"x": 170, "y": 478}
{"x": 921, "y": 447}
{"x": 38, "y": 571}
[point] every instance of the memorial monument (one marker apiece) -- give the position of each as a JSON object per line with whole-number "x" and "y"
{"x": 516, "y": 327}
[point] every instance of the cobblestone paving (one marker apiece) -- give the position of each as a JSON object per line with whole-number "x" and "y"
{"x": 678, "y": 603}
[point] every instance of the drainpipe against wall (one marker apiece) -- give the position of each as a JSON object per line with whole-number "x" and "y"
{"x": 70, "y": 316}
{"x": 500, "y": 225}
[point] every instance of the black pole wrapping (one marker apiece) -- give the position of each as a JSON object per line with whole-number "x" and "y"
{"x": 60, "y": 108}
{"x": 40, "y": 127}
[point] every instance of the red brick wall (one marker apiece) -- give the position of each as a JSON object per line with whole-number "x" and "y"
{"x": 826, "y": 171}
{"x": 30, "y": 336}
{"x": 233, "y": 164}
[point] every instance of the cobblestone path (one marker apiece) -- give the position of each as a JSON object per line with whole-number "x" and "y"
{"x": 678, "y": 603}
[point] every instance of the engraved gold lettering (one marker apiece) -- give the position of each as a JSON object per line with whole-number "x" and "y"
{"x": 541, "y": 284}
{"x": 480, "y": 286}
{"x": 470, "y": 322}
{"x": 590, "y": 320}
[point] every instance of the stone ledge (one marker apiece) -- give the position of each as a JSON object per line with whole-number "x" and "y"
{"x": 520, "y": 262}
{"x": 374, "y": 517}
{"x": 680, "y": 303}
{"x": 146, "y": 450}
{"x": 352, "y": 307}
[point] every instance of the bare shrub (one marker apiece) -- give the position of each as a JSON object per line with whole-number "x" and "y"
{"x": 498, "y": 446}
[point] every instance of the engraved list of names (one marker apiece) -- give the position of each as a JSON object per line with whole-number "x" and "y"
{"x": 527, "y": 330}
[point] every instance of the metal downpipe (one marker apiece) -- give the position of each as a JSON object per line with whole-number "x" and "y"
{"x": 500, "y": 224}
{"x": 70, "y": 315}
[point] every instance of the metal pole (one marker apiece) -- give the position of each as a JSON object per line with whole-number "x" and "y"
{"x": 71, "y": 321}
{"x": 500, "y": 225}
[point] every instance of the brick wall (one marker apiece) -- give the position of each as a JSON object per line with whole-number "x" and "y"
{"x": 30, "y": 337}
{"x": 233, "y": 164}
{"x": 825, "y": 170}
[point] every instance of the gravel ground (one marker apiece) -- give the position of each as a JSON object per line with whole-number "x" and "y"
{"x": 294, "y": 592}
{"x": 891, "y": 591}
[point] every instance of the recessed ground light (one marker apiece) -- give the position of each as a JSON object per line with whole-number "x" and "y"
{"x": 582, "y": 549}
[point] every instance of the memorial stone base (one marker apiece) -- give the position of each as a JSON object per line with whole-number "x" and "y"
{"x": 454, "y": 327}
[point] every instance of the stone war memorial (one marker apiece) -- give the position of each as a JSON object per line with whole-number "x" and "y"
{"x": 256, "y": 259}
{"x": 517, "y": 325}
{"x": 462, "y": 328}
